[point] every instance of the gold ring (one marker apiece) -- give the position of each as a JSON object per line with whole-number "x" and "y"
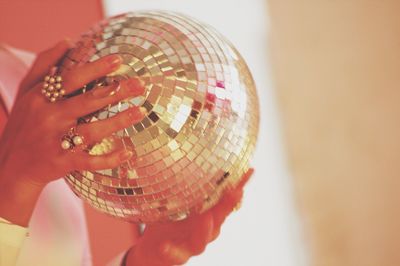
{"x": 52, "y": 86}
{"x": 71, "y": 140}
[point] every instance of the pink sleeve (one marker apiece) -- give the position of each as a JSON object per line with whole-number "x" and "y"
{"x": 57, "y": 227}
{"x": 14, "y": 66}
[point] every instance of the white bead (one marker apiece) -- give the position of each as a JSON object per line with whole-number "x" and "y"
{"x": 48, "y": 94}
{"x": 52, "y": 99}
{"x": 58, "y": 78}
{"x": 52, "y": 80}
{"x": 58, "y": 86}
{"x": 45, "y": 85}
{"x": 44, "y": 91}
{"x": 56, "y": 94}
{"x": 51, "y": 88}
{"x": 77, "y": 140}
{"x": 65, "y": 144}
{"x": 62, "y": 92}
{"x": 46, "y": 78}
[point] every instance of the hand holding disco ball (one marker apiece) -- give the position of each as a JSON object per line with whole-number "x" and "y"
{"x": 174, "y": 243}
{"x": 201, "y": 120}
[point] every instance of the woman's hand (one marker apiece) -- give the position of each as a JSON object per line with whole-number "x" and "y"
{"x": 176, "y": 242}
{"x": 31, "y": 154}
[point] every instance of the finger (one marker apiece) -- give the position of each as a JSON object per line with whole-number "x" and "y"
{"x": 44, "y": 62}
{"x": 82, "y": 161}
{"x": 96, "y": 131}
{"x": 172, "y": 254}
{"x": 202, "y": 233}
{"x": 226, "y": 206}
{"x": 221, "y": 211}
{"x": 215, "y": 234}
{"x": 80, "y": 76}
{"x": 230, "y": 199}
{"x": 96, "y": 99}
{"x": 228, "y": 202}
{"x": 245, "y": 178}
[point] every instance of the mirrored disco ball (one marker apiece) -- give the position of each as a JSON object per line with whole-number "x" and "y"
{"x": 201, "y": 122}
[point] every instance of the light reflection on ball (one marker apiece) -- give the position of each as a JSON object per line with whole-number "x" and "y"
{"x": 201, "y": 124}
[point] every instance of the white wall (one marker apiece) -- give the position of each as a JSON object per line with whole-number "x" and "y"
{"x": 265, "y": 230}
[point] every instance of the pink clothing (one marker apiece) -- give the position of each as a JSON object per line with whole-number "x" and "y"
{"x": 57, "y": 230}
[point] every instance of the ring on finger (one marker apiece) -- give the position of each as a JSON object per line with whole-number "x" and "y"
{"x": 52, "y": 86}
{"x": 71, "y": 140}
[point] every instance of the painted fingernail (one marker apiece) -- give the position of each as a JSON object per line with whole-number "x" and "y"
{"x": 135, "y": 86}
{"x": 125, "y": 155}
{"x": 143, "y": 110}
{"x": 114, "y": 61}
{"x": 137, "y": 113}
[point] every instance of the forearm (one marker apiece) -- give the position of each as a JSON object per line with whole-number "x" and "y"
{"x": 337, "y": 73}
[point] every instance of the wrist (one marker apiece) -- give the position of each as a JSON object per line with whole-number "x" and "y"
{"x": 18, "y": 198}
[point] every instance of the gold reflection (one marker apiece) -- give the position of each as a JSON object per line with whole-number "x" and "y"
{"x": 201, "y": 124}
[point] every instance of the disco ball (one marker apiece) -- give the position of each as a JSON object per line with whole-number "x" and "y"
{"x": 201, "y": 123}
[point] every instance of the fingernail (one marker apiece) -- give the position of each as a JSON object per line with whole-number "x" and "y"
{"x": 114, "y": 61}
{"x": 135, "y": 86}
{"x": 141, "y": 82}
{"x": 143, "y": 110}
{"x": 125, "y": 155}
{"x": 132, "y": 83}
{"x": 137, "y": 113}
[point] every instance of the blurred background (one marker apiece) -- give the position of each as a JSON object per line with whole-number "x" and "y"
{"x": 266, "y": 229}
